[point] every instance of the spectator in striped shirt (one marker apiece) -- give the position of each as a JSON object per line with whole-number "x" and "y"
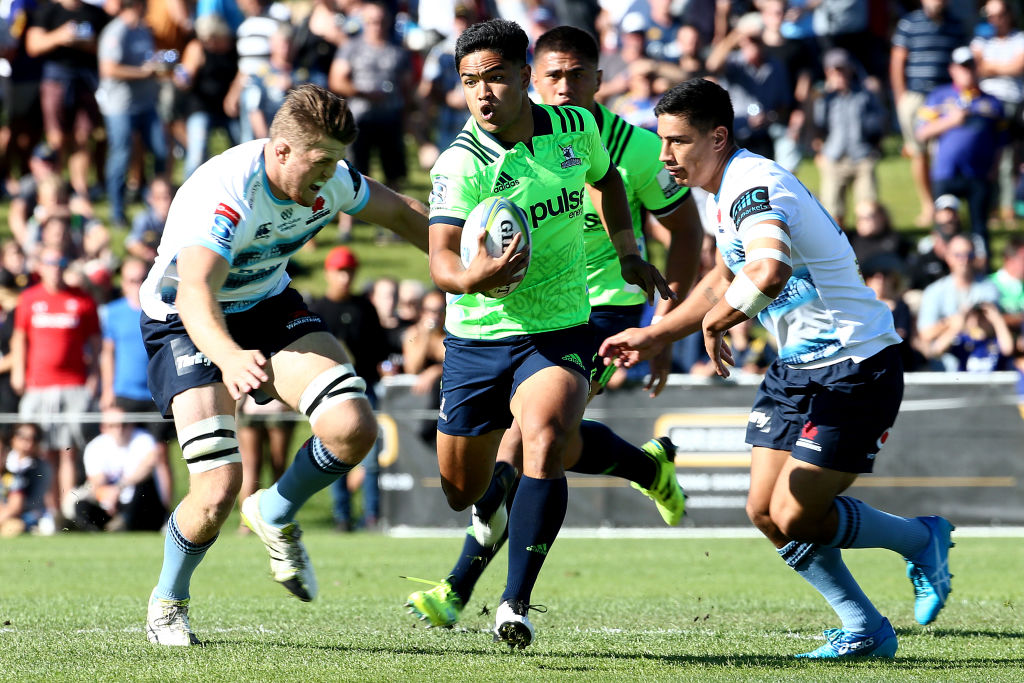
{"x": 921, "y": 48}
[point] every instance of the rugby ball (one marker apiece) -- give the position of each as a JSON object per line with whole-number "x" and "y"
{"x": 502, "y": 220}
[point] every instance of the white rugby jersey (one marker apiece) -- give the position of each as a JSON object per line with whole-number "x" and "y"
{"x": 825, "y": 313}
{"x": 226, "y": 206}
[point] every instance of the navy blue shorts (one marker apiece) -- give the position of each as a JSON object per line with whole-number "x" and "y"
{"x": 835, "y": 417}
{"x": 480, "y": 377}
{"x": 607, "y": 321}
{"x": 175, "y": 364}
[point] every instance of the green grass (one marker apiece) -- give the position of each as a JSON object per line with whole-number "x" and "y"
{"x": 73, "y": 609}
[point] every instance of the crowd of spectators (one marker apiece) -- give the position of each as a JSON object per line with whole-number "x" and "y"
{"x": 104, "y": 102}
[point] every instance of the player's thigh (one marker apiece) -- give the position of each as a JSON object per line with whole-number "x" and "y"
{"x": 765, "y": 466}
{"x": 548, "y": 406}
{"x": 293, "y": 368}
{"x": 804, "y": 494}
{"x": 466, "y": 464}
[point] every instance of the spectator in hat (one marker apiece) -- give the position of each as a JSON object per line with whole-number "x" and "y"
{"x": 929, "y": 263}
{"x": 352, "y": 318}
{"x": 851, "y": 121}
{"x": 967, "y": 126}
{"x": 922, "y": 45}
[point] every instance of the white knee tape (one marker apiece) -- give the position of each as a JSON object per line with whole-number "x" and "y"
{"x": 340, "y": 383}
{"x": 209, "y": 444}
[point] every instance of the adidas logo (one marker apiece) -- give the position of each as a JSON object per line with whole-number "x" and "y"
{"x": 540, "y": 548}
{"x": 574, "y": 358}
{"x": 505, "y": 181}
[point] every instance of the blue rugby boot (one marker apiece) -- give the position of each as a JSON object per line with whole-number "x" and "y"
{"x": 842, "y": 643}
{"x": 928, "y": 571}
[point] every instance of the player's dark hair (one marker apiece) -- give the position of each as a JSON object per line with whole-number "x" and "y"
{"x": 704, "y": 104}
{"x": 503, "y": 37}
{"x": 309, "y": 113}
{"x": 568, "y": 39}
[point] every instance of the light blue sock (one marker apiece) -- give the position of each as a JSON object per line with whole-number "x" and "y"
{"x": 824, "y": 569}
{"x": 862, "y": 526}
{"x": 314, "y": 468}
{"x": 181, "y": 557}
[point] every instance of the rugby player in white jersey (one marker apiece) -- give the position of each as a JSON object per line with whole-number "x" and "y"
{"x": 826, "y": 405}
{"x": 220, "y": 321}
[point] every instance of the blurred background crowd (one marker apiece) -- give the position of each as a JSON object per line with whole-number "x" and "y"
{"x": 107, "y": 106}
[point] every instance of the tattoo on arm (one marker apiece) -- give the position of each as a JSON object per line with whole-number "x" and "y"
{"x": 709, "y": 294}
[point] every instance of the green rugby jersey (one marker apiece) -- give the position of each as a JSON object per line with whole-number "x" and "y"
{"x": 635, "y": 152}
{"x": 548, "y": 183}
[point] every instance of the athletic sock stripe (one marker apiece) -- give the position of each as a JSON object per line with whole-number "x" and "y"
{"x": 324, "y": 460}
{"x": 183, "y": 544}
{"x": 852, "y": 521}
{"x": 326, "y": 392}
{"x": 226, "y": 433}
{"x": 472, "y": 151}
{"x": 466, "y": 137}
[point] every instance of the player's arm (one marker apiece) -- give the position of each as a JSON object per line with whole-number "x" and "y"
{"x": 107, "y": 374}
{"x": 19, "y": 342}
{"x": 683, "y": 257}
{"x": 399, "y": 213}
{"x": 767, "y": 270}
{"x": 483, "y": 272}
{"x": 619, "y": 224}
{"x": 202, "y": 272}
{"x": 631, "y": 346}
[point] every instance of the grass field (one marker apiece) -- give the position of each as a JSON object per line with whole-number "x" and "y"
{"x": 680, "y": 609}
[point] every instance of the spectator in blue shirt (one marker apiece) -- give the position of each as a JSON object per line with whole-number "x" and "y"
{"x": 967, "y": 126}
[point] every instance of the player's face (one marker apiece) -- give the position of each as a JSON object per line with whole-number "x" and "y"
{"x": 691, "y": 157}
{"x": 304, "y": 171}
{"x": 494, "y": 89}
{"x": 564, "y": 78}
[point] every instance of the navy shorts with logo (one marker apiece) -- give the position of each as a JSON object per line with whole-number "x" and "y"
{"x": 175, "y": 364}
{"x": 479, "y": 377}
{"x": 607, "y": 321}
{"x": 835, "y": 417}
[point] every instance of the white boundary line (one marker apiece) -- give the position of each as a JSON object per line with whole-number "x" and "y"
{"x": 707, "y": 532}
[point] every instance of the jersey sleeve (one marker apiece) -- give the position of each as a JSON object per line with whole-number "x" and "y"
{"x": 648, "y": 177}
{"x": 600, "y": 162}
{"x": 763, "y": 199}
{"x": 454, "y": 190}
{"x": 350, "y": 189}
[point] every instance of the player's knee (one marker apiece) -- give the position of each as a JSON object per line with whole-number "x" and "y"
{"x": 348, "y": 431}
{"x": 545, "y": 445}
{"x": 760, "y": 517}
{"x": 458, "y": 497}
{"x": 793, "y": 524}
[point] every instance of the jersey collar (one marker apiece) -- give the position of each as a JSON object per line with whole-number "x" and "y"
{"x": 541, "y": 126}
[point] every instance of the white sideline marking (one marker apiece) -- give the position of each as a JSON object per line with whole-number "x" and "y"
{"x": 709, "y": 532}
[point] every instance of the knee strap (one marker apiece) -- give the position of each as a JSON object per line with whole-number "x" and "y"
{"x": 209, "y": 444}
{"x": 795, "y": 553}
{"x": 340, "y": 383}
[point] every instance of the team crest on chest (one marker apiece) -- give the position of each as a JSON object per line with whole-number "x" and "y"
{"x": 570, "y": 157}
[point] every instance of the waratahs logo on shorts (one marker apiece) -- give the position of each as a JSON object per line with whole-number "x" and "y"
{"x": 570, "y": 157}
{"x": 754, "y": 200}
{"x": 225, "y": 220}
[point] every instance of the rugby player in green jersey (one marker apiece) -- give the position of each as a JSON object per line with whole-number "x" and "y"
{"x": 491, "y": 170}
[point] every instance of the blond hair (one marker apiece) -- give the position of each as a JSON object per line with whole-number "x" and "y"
{"x": 310, "y": 113}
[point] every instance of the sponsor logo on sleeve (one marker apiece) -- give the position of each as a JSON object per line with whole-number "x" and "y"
{"x": 753, "y": 201}
{"x": 225, "y": 220}
{"x": 570, "y": 157}
{"x": 439, "y": 192}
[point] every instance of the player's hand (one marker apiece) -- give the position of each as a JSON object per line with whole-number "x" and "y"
{"x": 661, "y": 365}
{"x": 718, "y": 351}
{"x": 629, "y": 347}
{"x": 486, "y": 272}
{"x": 242, "y": 371}
{"x": 638, "y": 272}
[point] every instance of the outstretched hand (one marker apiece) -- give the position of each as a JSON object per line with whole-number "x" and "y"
{"x": 629, "y": 347}
{"x": 639, "y": 272}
